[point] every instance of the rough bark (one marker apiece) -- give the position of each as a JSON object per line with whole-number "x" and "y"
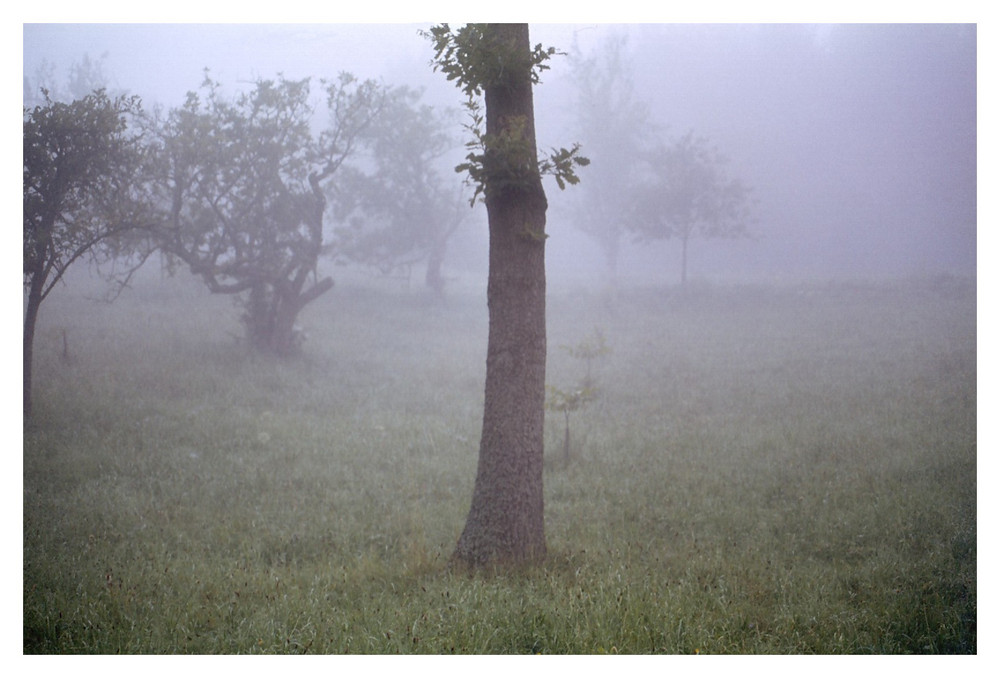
{"x": 505, "y": 524}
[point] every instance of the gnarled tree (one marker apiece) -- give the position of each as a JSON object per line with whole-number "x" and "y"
{"x": 241, "y": 184}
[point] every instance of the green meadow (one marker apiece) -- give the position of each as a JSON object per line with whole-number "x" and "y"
{"x": 780, "y": 468}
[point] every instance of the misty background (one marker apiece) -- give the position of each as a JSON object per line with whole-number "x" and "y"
{"x": 781, "y": 461}
{"x": 859, "y": 141}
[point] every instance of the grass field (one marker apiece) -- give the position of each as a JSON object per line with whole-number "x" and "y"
{"x": 767, "y": 469}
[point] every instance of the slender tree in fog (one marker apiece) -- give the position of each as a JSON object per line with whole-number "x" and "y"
{"x": 505, "y": 524}
{"x": 402, "y": 211}
{"x": 80, "y": 193}
{"x": 686, "y": 191}
{"x": 242, "y": 186}
{"x": 615, "y": 127}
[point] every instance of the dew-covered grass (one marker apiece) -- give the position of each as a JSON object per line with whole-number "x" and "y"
{"x": 765, "y": 469}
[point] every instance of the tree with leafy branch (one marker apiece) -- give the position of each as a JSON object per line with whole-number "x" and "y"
{"x": 82, "y": 195}
{"x": 505, "y": 524}
{"x": 241, "y": 184}
{"x": 686, "y": 190}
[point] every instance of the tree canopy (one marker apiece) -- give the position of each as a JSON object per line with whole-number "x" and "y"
{"x": 686, "y": 190}
{"x": 396, "y": 208}
{"x": 81, "y": 163}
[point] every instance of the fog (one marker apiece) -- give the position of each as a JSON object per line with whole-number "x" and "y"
{"x": 859, "y": 141}
{"x": 780, "y": 458}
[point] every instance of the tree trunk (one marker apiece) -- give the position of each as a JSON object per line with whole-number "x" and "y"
{"x": 283, "y": 340}
{"x": 505, "y": 525}
{"x": 271, "y": 312}
{"x": 30, "y": 318}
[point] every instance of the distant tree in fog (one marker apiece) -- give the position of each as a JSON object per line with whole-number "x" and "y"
{"x": 241, "y": 184}
{"x": 684, "y": 191}
{"x": 401, "y": 211}
{"x": 614, "y": 126}
{"x": 85, "y": 76}
{"x": 42, "y": 86}
{"x": 81, "y": 194}
{"x": 505, "y": 524}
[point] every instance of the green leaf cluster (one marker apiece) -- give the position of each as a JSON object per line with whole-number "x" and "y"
{"x": 507, "y": 160}
{"x": 560, "y": 164}
{"x": 474, "y": 59}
